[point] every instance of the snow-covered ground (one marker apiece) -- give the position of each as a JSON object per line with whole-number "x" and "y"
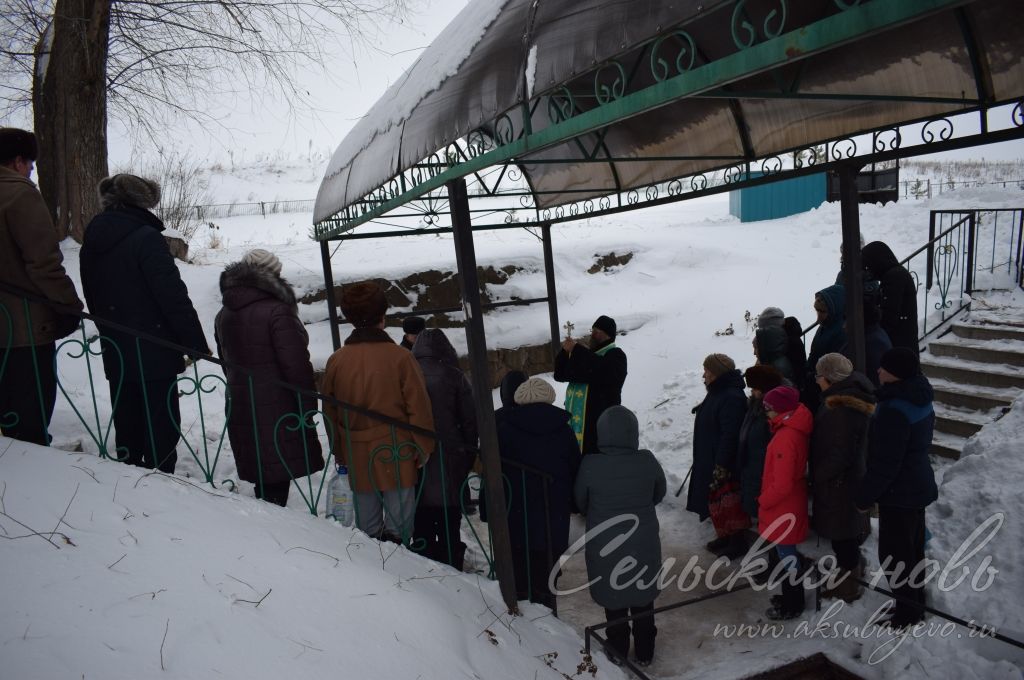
{"x": 695, "y": 270}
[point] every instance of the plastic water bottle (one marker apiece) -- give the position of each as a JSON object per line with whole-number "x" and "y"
{"x": 339, "y": 498}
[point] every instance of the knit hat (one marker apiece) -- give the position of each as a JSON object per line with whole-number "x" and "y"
{"x": 902, "y": 362}
{"x": 535, "y": 391}
{"x": 719, "y": 364}
{"x": 834, "y": 367}
{"x": 413, "y": 325}
{"x": 763, "y": 378}
{"x": 782, "y": 399}
{"x": 257, "y": 257}
{"x": 606, "y": 324}
{"x": 363, "y": 304}
{"x": 771, "y": 316}
{"x": 125, "y": 189}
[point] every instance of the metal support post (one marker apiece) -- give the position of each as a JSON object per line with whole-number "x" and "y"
{"x": 332, "y": 303}
{"x": 853, "y": 278}
{"x": 549, "y": 275}
{"x": 497, "y": 519}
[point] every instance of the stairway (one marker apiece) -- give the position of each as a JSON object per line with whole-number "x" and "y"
{"x": 977, "y": 371}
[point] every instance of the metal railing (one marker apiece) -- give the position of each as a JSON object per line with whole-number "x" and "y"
{"x": 927, "y": 188}
{"x": 207, "y": 408}
{"x": 203, "y": 213}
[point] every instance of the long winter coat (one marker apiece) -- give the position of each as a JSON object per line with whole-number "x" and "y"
{"x": 373, "y": 373}
{"x": 129, "y": 277}
{"x": 621, "y": 481}
{"x": 30, "y": 259}
{"x": 451, "y": 402}
{"x": 784, "y": 486}
{"x": 838, "y": 452}
{"x": 876, "y": 343}
{"x": 537, "y": 436}
{"x": 899, "y": 294}
{"x": 899, "y": 473}
{"x": 605, "y": 375}
{"x": 753, "y": 443}
{"x": 716, "y": 433}
{"x": 771, "y": 350}
{"x": 258, "y": 329}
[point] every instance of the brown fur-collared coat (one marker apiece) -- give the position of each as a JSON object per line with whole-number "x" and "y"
{"x": 374, "y": 373}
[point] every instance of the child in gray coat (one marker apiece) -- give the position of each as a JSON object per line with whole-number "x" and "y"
{"x": 619, "y": 489}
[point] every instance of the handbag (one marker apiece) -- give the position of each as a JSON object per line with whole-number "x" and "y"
{"x": 727, "y": 513}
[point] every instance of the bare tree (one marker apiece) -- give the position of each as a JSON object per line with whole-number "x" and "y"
{"x": 155, "y": 59}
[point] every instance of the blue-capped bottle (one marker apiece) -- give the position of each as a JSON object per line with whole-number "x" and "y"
{"x": 339, "y": 497}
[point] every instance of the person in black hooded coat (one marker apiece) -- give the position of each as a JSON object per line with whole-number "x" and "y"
{"x": 129, "y": 277}
{"x": 537, "y": 434}
{"x": 899, "y": 294}
{"x": 438, "y": 515}
{"x": 258, "y": 329}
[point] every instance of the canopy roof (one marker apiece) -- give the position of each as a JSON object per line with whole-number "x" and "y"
{"x": 603, "y": 100}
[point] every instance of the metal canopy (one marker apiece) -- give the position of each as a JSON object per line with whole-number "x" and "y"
{"x": 567, "y": 108}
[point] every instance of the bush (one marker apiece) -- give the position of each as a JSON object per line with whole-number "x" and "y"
{"x": 183, "y": 187}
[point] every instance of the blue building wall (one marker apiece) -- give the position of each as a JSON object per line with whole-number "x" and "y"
{"x": 778, "y": 199}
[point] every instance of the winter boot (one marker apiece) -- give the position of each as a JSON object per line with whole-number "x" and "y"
{"x": 736, "y": 547}
{"x": 849, "y": 589}
{"x": 789, "y": 605}
{"x": 716, "y": 546}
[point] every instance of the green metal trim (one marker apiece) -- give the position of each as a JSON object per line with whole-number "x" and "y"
{"x": 839, "y": 29}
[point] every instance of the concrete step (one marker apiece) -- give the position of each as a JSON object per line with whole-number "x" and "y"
{"x": 985, "y": 331}
{"x": 948, "y": 445}
{"x": 1002, "y": 353}
{"x": 960, "y": 422}
{"x": 951, "y": 394}
{"x": 971, "y": 373}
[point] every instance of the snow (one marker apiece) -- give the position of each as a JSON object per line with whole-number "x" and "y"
{"x": 695, "y": 270}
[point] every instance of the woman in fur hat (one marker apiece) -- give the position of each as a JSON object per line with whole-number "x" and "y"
{"x": 129, "y": 277}
{"x": 259, "y": 334}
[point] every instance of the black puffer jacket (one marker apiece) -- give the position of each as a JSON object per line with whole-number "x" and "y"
{"x": 837, "y": 460}
{"x": 899, "y": 472}
{"x": 451, "y": 400}
{"x": 716, "y": 433}
{"x": 129, "y": 277}
{"x": 899, "y": 294}
{"x": 771, "y": 344}
{"x": 258, "y": 329}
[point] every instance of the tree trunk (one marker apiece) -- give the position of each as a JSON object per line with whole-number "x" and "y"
{"x": 69, "y": 98}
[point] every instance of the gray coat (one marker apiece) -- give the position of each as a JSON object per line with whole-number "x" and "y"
{"x": 621, "y": 481}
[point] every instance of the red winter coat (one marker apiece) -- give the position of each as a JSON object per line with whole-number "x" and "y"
{"x": 784, "y": 484}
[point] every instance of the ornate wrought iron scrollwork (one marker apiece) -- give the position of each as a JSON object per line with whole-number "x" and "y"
{"x": 771, "y": 165}
{"x": 699, "y": 182}
{"x": 768, "y": 29}
{"x": 675, "y": 188}
{"x": 574, "y": 209}
{"x": 733, "y": 174}
{"x": 842, "y": 148}
{"x": 561, "y": 105}
{"x": 195, "y": 385}
{"x": 588, "y": 206}
{"x": 1017, "y": 115}
{"x": 879, "y": 142}
{"x": 546, "y": 214}
{"x": 943, "y": 126}
{"x": 604, "y": 92}
{"x": 559, "y": 211}
{"x": 477, "y": 143}
{"x": 946, "y": 265}
{"x": 651, "y": 193}
{"x": 684, "y": 61}
{"x": 504, "y": 130}
{"x": 604, "y": 203}
{"x": 632, "y": 197}
{"x": 430, "y": 217}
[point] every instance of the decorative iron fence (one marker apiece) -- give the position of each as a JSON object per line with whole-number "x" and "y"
{"x": 199, "y": 406}
{"x": 204, "y": 213}
{"x": 927, "y": 188}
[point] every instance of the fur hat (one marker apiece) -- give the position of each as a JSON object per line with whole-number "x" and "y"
{"x": 771, "y": 316}
{"x": 606, "y": 324}
{"x": 535, "y": 391}
{"x": 763, "y": 378}
{"x": 125, "y": 189}
{"x": 363, "y": 304}
{"x": 782, "y": 399}
{"x": 902, "y": 362}
{"x": 16, "y": 142}
{"x": 719, "y": 364}
{"x": 257, "y": 257}
{"x": 413, "y": 325}
{"x": 834, "y": 367}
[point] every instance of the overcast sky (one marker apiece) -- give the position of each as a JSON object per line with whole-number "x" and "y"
{"x": 340, "y": 93}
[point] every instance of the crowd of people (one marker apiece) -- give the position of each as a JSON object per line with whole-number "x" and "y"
{"x": 815, "y": 444}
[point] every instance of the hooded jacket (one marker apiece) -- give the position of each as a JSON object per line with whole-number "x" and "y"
{"x": 899, "y": 473}
{"x": 31, "y": 259}
{"x": 899, "y": 294}
{"x": 451, "y": 402}
{"x": 716, "y": 432}
{"x": 830, "y": 336}
{"x": 838, "y": 455}
{"x": 538, "y": 436}
{"x": 621, "y": 484}
{"x": 258, "y": 328}
{"x": 129, "y": 277}
{"x": 784, "y": 486}
{"x": 772, "y": 344}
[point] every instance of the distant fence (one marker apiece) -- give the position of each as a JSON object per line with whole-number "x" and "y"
{"x": 203, "y": 213}
{"x": 927, "y": 188}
